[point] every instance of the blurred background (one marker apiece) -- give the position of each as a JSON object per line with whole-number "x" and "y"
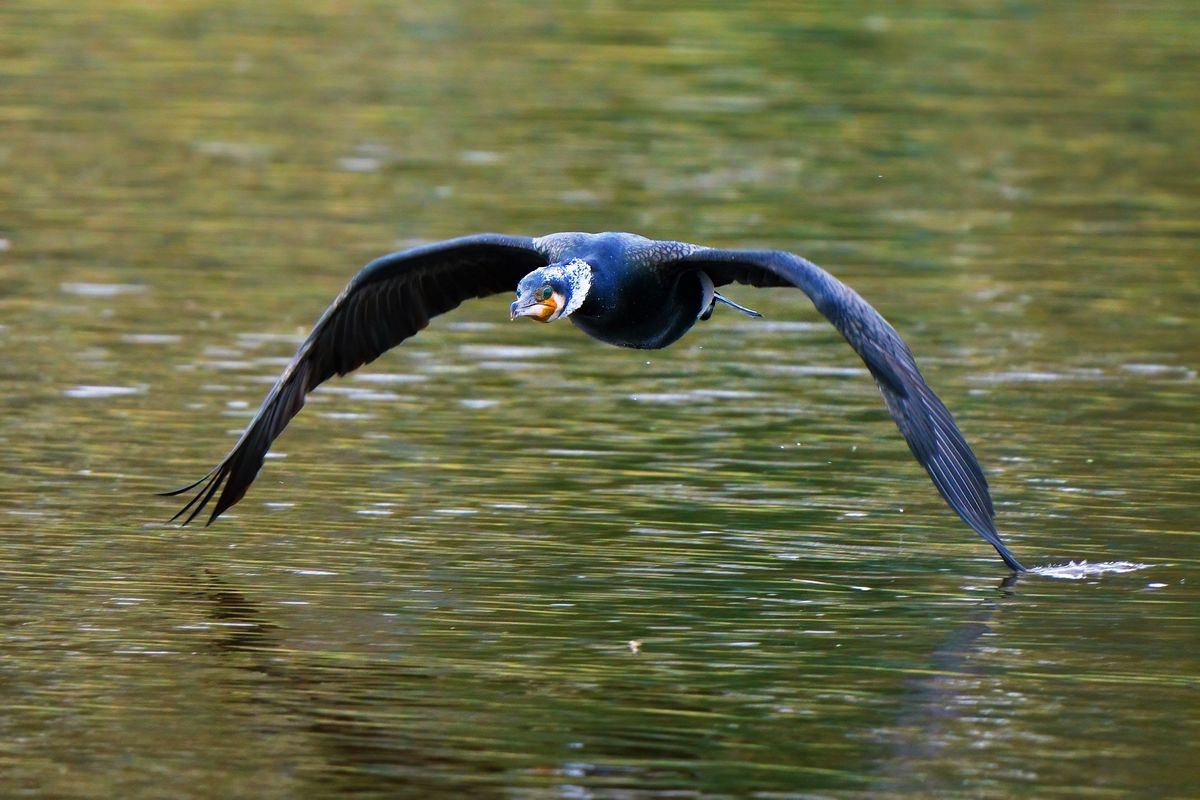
{"x": 506, "y": 560}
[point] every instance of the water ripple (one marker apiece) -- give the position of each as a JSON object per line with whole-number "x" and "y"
{"x": 93, "y": 392}
{"x": 101, "y": 289}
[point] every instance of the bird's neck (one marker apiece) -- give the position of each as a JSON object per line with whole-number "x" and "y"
{"x": 577, "y": 274}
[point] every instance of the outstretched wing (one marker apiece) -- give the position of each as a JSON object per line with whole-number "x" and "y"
{"x": 926, "y": 424}
{"x": 388, "y": 301}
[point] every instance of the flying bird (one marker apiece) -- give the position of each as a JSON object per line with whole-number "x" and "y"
{"x": 620, "y": 288}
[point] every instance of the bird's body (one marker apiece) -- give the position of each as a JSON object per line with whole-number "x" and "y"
{"x": 620, "y": 288}
{"x": 630, "y": 303}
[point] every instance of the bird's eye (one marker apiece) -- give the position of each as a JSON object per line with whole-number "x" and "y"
{"x": 545, "y": 293}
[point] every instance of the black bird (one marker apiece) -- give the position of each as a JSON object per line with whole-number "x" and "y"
{"x": 619, "y": 288}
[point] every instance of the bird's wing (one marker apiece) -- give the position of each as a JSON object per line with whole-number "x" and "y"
{"x": 926, "y": 424}
{"x": 388, "y": 301}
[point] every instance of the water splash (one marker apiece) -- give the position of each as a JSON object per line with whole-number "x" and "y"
{"x": 1078, "y": 570}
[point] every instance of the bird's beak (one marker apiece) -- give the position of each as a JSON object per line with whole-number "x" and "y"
{"x": 541, "y": 310}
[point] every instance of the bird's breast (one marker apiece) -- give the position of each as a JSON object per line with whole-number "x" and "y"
{"x": 642, "y": 313}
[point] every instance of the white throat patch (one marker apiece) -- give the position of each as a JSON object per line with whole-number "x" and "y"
{"x": 577, "y": 274}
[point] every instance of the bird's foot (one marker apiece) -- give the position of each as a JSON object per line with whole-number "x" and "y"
{"x": 749, "y": 312}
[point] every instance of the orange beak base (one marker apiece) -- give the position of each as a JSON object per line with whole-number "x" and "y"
{"x": 539, "y": 311}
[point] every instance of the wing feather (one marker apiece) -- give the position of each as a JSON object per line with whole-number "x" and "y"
{"x": 922, "y": 418}
{"x": 388, "y": 301}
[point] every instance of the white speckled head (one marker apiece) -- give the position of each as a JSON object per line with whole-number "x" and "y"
{"x": 554, "y": 291}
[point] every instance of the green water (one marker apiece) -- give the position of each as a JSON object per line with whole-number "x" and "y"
{"x": 506, "y": 560}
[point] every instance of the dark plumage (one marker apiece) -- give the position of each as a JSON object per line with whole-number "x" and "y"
{"x": 619, "y": 288}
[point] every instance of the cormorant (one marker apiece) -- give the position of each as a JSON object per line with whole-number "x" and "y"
{"x": 619, "y": 288}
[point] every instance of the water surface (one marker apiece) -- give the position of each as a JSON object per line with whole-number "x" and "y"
{"x": 506, "y": 560}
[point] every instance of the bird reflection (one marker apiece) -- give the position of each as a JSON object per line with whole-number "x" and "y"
{"x": 940, "y": 707}
{"x": 362, "y": 738}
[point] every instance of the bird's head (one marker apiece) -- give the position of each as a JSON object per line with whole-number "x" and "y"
{"x": 553, "y": 291}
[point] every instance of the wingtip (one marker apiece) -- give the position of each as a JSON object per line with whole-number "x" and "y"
{"x": 192, "y": 485}
{"x": 220, "y": 509}
{"x": 992, "y": 537}
{"x": 1009, "y": 559}
{"x": 214, "y": 478}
